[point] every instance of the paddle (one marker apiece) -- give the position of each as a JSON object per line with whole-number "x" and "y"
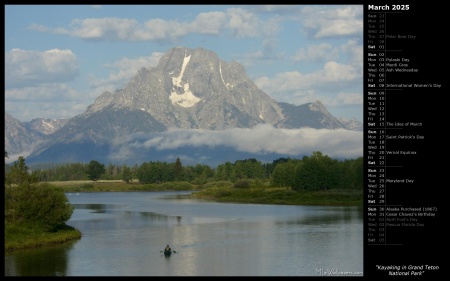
{"x": 164, "y": 251}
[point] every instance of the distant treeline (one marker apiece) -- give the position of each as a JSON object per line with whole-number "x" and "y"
{"x": 313, "y": 172}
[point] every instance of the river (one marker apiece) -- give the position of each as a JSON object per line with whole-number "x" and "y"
{"x": 124, "y": 233}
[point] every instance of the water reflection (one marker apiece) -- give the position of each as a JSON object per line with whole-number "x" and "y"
{"x": 45, "y": 261}
{"x": 98, "y": 208}
{"x": 124, "y": 235}
{"x": 328, "y": 216}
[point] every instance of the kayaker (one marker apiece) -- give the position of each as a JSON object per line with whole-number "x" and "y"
{"x": 167, "y": 248}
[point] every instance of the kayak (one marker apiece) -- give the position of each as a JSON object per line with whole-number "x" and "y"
{"x": 168, "y": 253}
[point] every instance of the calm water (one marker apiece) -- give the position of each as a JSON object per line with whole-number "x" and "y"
{"x": 125, "y": 232}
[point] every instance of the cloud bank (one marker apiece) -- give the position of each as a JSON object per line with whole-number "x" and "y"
{"x": 261, "y": 140}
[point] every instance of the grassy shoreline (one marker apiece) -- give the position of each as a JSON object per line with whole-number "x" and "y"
{"x": 25, "y": 237}
{"x": 283, "y": 196}
{"x": 223, "y": 191}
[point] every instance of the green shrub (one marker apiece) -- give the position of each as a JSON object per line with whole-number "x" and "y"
{"x": 41, "y": 205}
{"x": 218, "y": 184}
{"x": 242, "y": 184}
{"x": 176, "y": 186}
{"x": 222, "y": 193}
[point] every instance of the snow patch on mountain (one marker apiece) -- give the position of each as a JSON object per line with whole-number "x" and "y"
{"x": 186, "y": 98}
{"x": 223, "y": 81}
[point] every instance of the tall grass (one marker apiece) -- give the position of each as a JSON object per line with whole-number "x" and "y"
{"x": 27, "y": 236}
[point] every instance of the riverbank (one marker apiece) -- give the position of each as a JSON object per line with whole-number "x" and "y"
{"x": 24, "y": 237}
{"x": 258, "y": 192}
{"x": 19, "y": 237}
{"x": 282, "y": 196}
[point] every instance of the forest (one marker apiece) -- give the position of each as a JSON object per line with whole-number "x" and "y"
{"x": 314, "y": 172}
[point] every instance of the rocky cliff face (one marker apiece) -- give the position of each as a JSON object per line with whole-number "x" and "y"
{"x": 193, "y": 88}
{"x": 19, "y": 138}
{"x": 46, "y": 126}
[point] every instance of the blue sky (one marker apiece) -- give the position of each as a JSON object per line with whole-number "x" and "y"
{"x": 59, "y": 58}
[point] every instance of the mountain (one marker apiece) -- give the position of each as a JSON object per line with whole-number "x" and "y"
{"x": 352, "y": 124}
{"x": 25, "y": 137}
{"x": 20, "y": 138}
{"x": 193, "y": 88}
{"x": 45, "y": 126}
{"x": 313, "y": 115}
{"x": 188, "y": 89}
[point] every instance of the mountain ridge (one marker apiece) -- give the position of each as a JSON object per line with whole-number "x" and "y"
{"x": 188, "y": 89}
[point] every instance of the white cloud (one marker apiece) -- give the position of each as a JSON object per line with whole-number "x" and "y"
{"x": 331, "y": 73}
{"x": 333, "y": 85}
{"x": 123, "y": 70}
{"x": 103, "y": 29}
{"x": 276, "y": 9}
{"x": 261, "y": 139}
{"x": 317, "y": 53}
{"x": 27, "y": 68}
{"x": 240, "y": 23}
{"x": 355, "y": 53}
{"x": 158, "y": 29}
{"x": 243, "y": 23}
{"x": 35, "y": 68}
{"x": 348, "y": 98}
{"x": 46, "y": 93}
{"x": 38, "y": 27}
{"x": 337, "y": 72}
{"x": 120, "y": 29}
{"x": 320, "y": 23}
{"x": 55, "y": 100}
{"x": 209, "y": 23}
